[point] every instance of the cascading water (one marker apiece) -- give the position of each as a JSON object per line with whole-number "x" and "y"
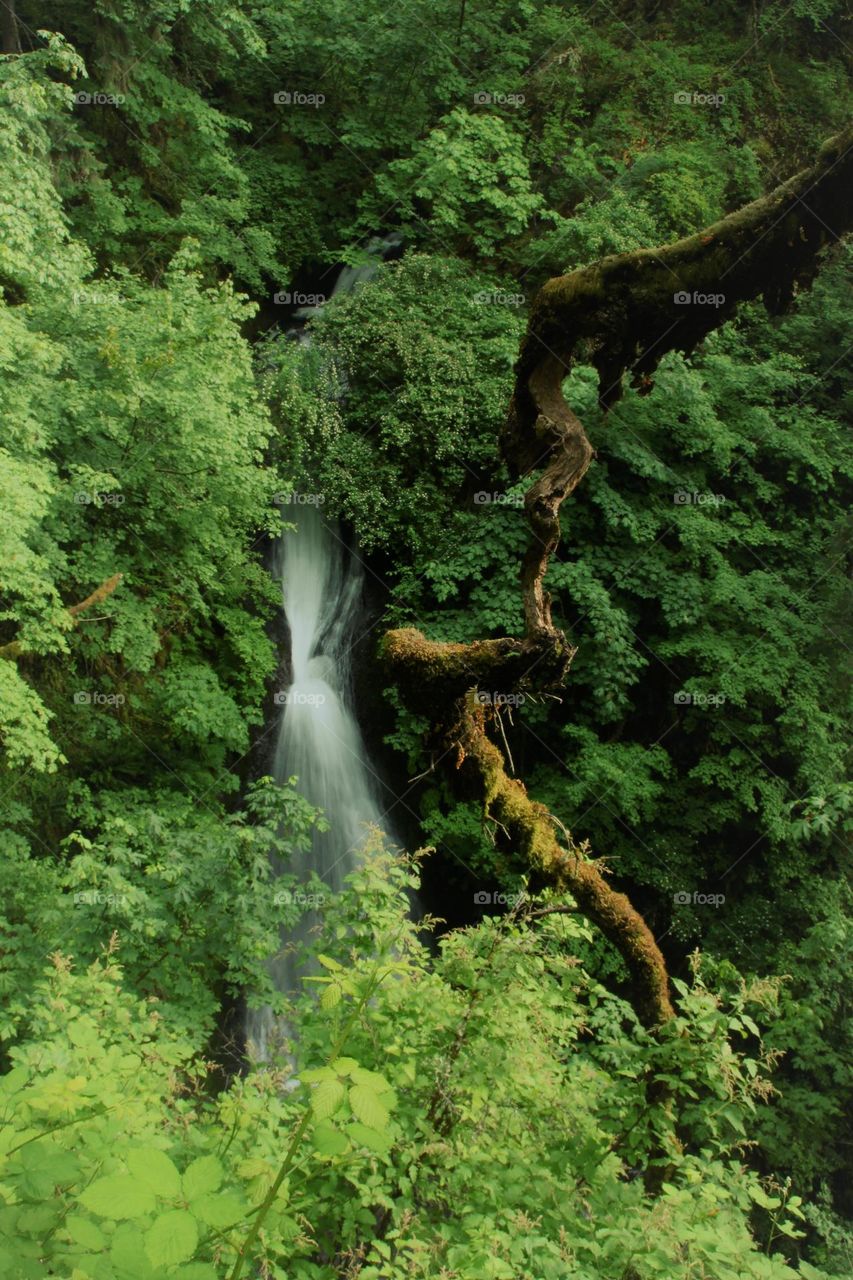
{"x": 319, "y": 739}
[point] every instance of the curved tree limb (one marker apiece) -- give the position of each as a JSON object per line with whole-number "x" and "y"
{"x": 624, "y": 313}
{"x": 528, "y": 827}
{"x": 14, "y": 649}
{"x": 629, "y": 310}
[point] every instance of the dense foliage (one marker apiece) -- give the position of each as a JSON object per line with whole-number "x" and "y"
{"x": 477, "y": 1107}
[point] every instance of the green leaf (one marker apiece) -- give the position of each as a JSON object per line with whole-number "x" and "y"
{"x": 39, "y": 1219}
{"x": 173, "y": 1238}
{"x": 83, "y": 1231}
{"x": 127, "y": 1253}
{"x": 317, "y": 1073}
{"x": 372, "y": 1079}
{"x": 202, "y": 1176}
{"x": 345, "y": 1066}
{"x": 117, "y": 1196}
{"x": 328, "y": 1140}
{"x": 326, "y": 1098}
{"x": 153, "y": 1169}
{"x": 331, "y": 996}
{"x": 221, "y": 1210}
{"x": 367, "y": 1107}
{"x": 760, "y": 1196}
{"x": 370, "y": 1138}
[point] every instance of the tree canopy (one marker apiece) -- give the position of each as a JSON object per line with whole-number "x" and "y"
{"x": 602, "y": 665}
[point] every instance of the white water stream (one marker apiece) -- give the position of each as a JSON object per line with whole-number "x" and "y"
{"x": 318, "y": 737}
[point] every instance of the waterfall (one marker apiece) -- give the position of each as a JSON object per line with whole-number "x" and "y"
{"x": 318, "y": 737}
{"x": 319, "y": 740}
{"x": 376, "y": 251}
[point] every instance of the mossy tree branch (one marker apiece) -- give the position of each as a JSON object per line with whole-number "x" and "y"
{"x": 623, "y": 314}
{"x": 629, "y": 310}
{"x": 526, "y": 827}
{"x": 14, "y": 649}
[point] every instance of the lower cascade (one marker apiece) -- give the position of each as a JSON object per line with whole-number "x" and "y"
{"x": 319, "y": 740}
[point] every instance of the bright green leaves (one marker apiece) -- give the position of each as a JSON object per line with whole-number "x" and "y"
{"x": 85, "y": 1232}
{"x": 367, "y": 1107}
{"x": 329, "y": 1141}
{"x": 173, "y": 1235}
{"x": 118, "y": 1196}
{"x": 202, "y": 1177}
{"x": 472, "y": 174}
{"x": 345, "y": 1066}
{"x": 359, "y": 1100}
{"x": 330, "y": 996}
{"x": 127, "y": 1253}
{"x": 220, "y": 1210}
{"x": 127, "y": 1197}
{"x": 349, "y": 1092}
{"x": 760, "y": 1196}
{"x": 371, "y": 1099}
{"x": 24, "y": 723}
{"x": 172, "y": 1238}
{"x": 326, "y": 1097}
{"x": 140, "y": 1200}
{"x": 147, "y": 860}
{"x": 88, "y": 1179}
{"x": 154, "y": 1170}
{"x": 111, "y": 393}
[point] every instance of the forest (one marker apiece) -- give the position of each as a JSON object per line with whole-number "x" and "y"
{"x": 425, "y": 629}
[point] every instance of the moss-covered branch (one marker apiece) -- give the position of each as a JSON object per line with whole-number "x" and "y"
{"x": 624, "y": 314}
{"x": 14, "y": 649}
{"x": 627, "y": 311}
{"x": 420, "y": 666}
